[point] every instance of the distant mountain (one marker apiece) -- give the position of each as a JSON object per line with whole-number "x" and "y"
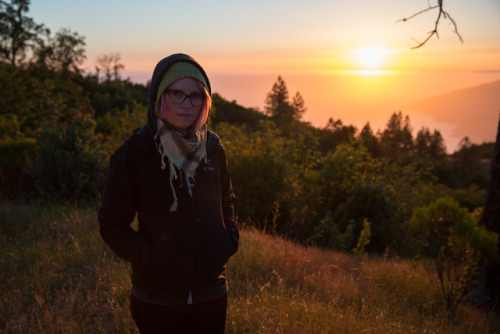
{"x": 472, "y": 112}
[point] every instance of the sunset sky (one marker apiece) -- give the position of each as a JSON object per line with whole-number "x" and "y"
{"x": 350, "y": 60}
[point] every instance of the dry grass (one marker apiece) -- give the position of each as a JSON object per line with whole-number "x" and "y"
{"x": 57, "y": 276}
{"x": 280, "y": 287}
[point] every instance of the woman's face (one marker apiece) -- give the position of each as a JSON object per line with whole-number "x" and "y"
{"x": 182, "y": 115}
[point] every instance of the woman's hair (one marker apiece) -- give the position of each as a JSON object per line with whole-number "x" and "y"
{"x": 204, "y": 110}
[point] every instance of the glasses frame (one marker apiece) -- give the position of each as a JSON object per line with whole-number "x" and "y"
{"x": 186, "y": 96}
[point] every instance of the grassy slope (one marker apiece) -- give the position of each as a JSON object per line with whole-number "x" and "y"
{"x": 56, "y": 275}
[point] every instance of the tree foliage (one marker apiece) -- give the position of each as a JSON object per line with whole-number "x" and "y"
{"x": 452, "y": 238}
{"x": 316, "y": 185}
{"x": 224, "y": 111}
{"x": 397, "y": 140}
{"x": 111, "y": 65}
{"x": 279, "y": 107}
{"x": 64, "y": 52}
{"x": 429, "y": 145}
{"x": 335, "y": 133}
{"x": 330, "y": 187}
{"x": 16, "y": 161}
{"x": 19, "y": 33}
{"x": 39, "y": 97}
{"x": 71, "y": 163}
{"x": 262, "y": 170}
{"x": 370, "y": 141}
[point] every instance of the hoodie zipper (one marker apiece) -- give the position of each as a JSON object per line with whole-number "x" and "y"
{"x": 197, "y": 244}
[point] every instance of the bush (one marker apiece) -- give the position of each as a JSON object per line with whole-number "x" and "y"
{"x": 367, "y": 201}
{"x": 71, "y": 164}
{"x": 327, "y": 235}
{"x": 9, "y": 126}
{"x": 329, "y": 184}
{"x": 116, "y": 127}
{"x": 262, "y": 173}
{"x": 16, "y": 159}
{"x": 452, "y": 238}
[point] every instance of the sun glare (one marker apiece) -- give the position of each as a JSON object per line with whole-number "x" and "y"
{"x": 371, "y": 57}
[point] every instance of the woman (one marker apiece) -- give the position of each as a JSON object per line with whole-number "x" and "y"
{"x": 173, "y": 174}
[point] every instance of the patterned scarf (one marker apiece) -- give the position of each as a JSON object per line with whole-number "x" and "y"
{"x": 183, "y": 151}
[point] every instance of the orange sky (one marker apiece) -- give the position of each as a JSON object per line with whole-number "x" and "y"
{"x": 316, "y": 46}
{"x": 280, "y": 35}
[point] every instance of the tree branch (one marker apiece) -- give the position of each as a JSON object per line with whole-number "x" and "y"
{"x": 442, "y": 13}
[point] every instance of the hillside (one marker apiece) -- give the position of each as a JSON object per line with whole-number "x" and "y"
{"x": 57, "y": 275}
{"x": 470, "y": 112}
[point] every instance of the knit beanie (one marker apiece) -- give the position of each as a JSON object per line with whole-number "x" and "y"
{"x": 175, "y": 72}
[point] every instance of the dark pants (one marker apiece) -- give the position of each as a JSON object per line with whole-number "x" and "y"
{"x": 207, "y": 317}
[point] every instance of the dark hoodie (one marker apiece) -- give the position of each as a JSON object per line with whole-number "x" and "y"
{"x": 174, "y": 255}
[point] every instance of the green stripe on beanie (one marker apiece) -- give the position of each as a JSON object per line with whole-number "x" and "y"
{"x": 175, "y": 72}
{"x": 178, "y": 71}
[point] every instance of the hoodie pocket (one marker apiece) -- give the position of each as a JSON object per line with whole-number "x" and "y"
{"x": 215, "y": 248}
{"x": 172, "y": 250}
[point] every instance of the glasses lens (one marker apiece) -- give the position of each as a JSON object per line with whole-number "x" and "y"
{"x": 176, "y": 96}
{"x": 196, "y": 99}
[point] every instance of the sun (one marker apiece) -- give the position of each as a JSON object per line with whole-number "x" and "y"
{"x": 371, "y": 57}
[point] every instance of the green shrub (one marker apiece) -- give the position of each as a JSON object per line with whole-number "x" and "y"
{"x": 452, "y": 238}
{"x": 367, "y": 201}
{"x": 71, "y": 164}
{"x": 116, "y": 127}
{"x": 363, "y": 241}
{"x": 16, "y": 157}
{"x": 327, "y": 234}
{"x": 262, "y": 172}
{"x": 9, "y": 126}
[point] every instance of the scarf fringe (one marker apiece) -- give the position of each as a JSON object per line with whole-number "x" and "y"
{"x": 181, "y": 152}
{"x": 173, "y": 175}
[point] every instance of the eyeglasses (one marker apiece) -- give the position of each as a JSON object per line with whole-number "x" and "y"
{"x": 178, "y": 97}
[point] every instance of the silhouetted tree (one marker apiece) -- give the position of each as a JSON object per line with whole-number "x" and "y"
{"x": 369, "y": 140}
{"x": 65, "y": 52}
{"x": 111, "y": 65}
{"x": 278, "y": 105}
{"x": 231, "y": 112}
{"x": 334, "y": 133}
{"x": 429, "y": 144}
{"x": 18, "y": 32}
{"x": 299, "y": 105}
{"x": 396, "y": 140}
{"x": 467, "y": 166}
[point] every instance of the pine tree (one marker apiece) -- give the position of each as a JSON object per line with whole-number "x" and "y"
{"x": 299, "y": 105}
{"x": 279, "y": 107}
{"x": 370, "y": 141}
{"x": 397, "y": 140}
{"x": 429, "y": 144}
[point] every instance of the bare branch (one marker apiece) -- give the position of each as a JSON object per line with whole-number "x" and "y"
{"x": 442, "y": 13}
{"x": 447, "y": 16}
{"x": 416, "y": 14}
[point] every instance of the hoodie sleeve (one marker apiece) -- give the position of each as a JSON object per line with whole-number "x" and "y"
{"x": 118, "y": 209}
{"x": 228, "y": 200}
